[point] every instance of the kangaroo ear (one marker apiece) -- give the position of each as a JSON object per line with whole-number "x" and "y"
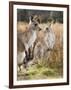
{"x": 38, "y": 20}
{"x": 31, "y": 17}
{"x": 49, "y": 25}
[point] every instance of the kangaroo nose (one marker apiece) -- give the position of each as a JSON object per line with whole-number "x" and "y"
{"x": 47, "y": 29}
{"x": 40, "y": 29}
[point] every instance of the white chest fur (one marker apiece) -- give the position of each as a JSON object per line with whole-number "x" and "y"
{"x": 50, "y": 39}
{"x": 32, "y": 39}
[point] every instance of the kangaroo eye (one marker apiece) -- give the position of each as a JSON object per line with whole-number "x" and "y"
{"x": 47, "y": 28}
{"x": 35, "y": 24}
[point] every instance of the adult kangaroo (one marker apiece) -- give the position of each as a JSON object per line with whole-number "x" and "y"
{"x": 27, "y": 39}
{"x": 45, "y": 42}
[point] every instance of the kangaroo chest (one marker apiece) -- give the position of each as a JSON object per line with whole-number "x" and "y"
{"x": 32, "y": 39}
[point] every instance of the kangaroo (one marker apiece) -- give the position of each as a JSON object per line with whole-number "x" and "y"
{"x": 49, "y": 38}
{"x": 45, "y": 42}
{"x": 25, "y": 40}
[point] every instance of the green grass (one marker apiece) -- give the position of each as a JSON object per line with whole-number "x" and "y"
{"x": 39, "y": 71}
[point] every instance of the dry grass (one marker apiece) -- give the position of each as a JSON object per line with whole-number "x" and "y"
{"x": 22, "y": 26}
{"x": 51, "y": 67}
